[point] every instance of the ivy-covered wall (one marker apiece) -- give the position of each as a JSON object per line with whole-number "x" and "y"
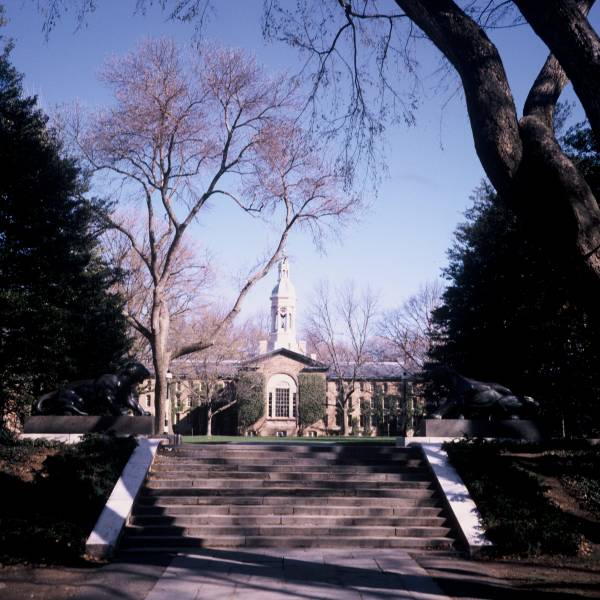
{"x": 250, "y": 391}
{"x": 312, "y": 394}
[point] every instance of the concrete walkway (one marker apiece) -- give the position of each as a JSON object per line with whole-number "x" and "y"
{"x": 303, "y": 574}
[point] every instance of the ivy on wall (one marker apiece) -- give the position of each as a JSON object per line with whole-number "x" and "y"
{"x": 312, "y": 394}
{"x": 249, "y": 391}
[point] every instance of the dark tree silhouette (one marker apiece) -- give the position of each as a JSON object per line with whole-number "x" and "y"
{"x": 58, "y": 321}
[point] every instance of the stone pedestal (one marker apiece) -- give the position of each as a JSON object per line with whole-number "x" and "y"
{"x": 124, "y": 425}
{"x": 456, "y": 428}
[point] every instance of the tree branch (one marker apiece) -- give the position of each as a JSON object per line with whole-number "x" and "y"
{"x": 489, "y": 99}
{"x": 549, "y": 84}
{"x": 564, "y": 28}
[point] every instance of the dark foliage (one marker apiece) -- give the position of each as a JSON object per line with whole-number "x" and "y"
{"x": 518, "y": 516}
{"x": 48, "y": 519}
{"x": 249, "y": 390}
{"x": 312, "y": 394}
{"x": 514, "y": 314}
{"x": 58, "y": 321}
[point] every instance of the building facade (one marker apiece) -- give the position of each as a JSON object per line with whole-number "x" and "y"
{"x": 381, "y": 394}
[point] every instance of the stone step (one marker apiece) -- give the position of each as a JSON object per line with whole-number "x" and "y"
{"x": 246, "y": 510}
{"x": 286, "y": 500}
{"x": 287, "y": 531}
{"x": 269, "y": 485}
{"x": 192, "y": 475}
{"x": 287, "y": 520}
{"x": 300, "y": 462}
{"x": 291, "y": 491}
{"x": 174, "y": 543}
{"x": 288, "y": 496}
{"x": 266, "y": 451}
{"x": 283, "y": 448}
{"x": 252, "y": 467}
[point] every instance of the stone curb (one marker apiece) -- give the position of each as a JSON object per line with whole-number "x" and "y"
{"x": 464, "y": 510}
{"x": 103, "y": 540}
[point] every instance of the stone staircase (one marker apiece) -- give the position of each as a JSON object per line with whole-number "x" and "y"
{"x": 288, "y": 495}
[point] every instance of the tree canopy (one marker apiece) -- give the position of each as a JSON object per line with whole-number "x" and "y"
{"x": 511, "y": 313}
{"x": 58, "y": 320}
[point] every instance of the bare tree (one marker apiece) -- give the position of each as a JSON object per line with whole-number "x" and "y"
{"x": 370, "y": 46}
{"x": 205, "y": 381}
{"x": 364, "y": 56}
{"x": 186, "y": 129}
{"x": 408, "y": 330}
{"x": 340, "y": 328}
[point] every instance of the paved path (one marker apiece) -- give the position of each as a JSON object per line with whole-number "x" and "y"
{"x": 303, "y": 574}
{"x": 296, "y": 574}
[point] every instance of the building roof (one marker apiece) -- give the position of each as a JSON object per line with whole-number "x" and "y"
{"x": 372, "y": 371}
{"x": 190, "y": 368}
{"x": 194, "y": 368}
{"x": 310, "y": 363}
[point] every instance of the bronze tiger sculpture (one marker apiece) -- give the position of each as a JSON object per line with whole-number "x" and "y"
{"x": 109, "y": 394}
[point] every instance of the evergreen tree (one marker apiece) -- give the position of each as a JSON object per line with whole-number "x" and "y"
{"x": 513, "y": 313}
{"x": 58, "y": 321}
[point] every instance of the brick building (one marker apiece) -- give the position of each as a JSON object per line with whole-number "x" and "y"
{"x": 379, "y": 404}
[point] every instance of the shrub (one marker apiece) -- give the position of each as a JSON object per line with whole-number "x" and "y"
{"x": 517, "y": 515}
{"x": 47, "y": 515}
{"x": 367, "y": 412}
{"x": 249, "y": 392}
{"x": 312, "y": 393}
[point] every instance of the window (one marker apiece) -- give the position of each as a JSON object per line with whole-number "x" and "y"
{"x": 148, "y": 400}
{"x": 189, "y": 402}
{"x": 282, "y": 397}
{"x": 361, "y": 386}
{"x": 282, "y": 402}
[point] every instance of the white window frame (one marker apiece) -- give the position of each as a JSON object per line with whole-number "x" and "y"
{"x": 282, "y": 381}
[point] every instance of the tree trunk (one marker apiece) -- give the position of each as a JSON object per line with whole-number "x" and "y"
{"x": 161, "y": 360}
{"x": 563, "y": 27}
{"x": 345, "y": 418}
{"x": 556, "y": 203}
{"x": 489, "y": 99}
{"x": 209, "y": 417}
{"x": 523, "y": 160}
{"x": 160, "y": 392}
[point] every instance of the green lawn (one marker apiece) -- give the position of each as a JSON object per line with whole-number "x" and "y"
{"x": 228, "y": 439}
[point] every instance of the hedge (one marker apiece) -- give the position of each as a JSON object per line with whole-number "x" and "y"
{"x": 312, "y": 394}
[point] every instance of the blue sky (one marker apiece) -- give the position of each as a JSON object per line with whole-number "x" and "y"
{"x": 401, "y": 241}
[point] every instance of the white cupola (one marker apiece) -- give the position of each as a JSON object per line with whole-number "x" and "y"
{"x": 282, "y": 333}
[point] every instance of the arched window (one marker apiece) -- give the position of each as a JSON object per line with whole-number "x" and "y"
{"x": 282, "y": 401}
{"x": 282, "y": 397}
